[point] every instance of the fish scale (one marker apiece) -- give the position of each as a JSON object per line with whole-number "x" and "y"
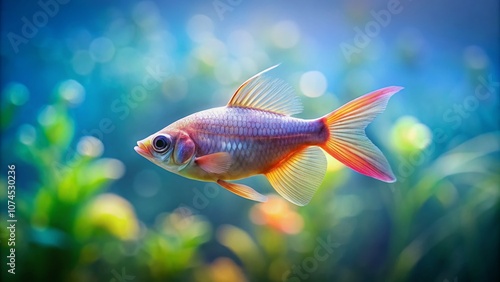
{"x": 265, "y": 138}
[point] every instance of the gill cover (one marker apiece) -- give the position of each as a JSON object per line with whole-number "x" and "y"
{"x": 184, "y": 150}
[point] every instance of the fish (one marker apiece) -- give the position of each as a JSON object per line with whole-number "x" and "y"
{"x": 255, "y": 134}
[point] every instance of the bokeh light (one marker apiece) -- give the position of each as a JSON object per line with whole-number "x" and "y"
{"x": 285, "y": 34}
{"x": 113, "y": 213}
{"x": 112, "y": 168}
{"x": 475, "y": 57}
{"x": 90, "y": 146}
{"x": 82, "y": 62}
{"x": 102, "y": 49}
{"x": 146, "y": 14}
{"x": 27, "y": 134}
{"x": 47, "y": 116}
{"x": 71, "y": 91}
{"x": 200, "y": 28}
{"x": 313, "y": 84}
{"x": 241, "y": 43}
{"x": 211, "y": 51}
{"x": 277, "y": 213}
{"x": 17, "y": 93}
{"x": 408, "y": 134}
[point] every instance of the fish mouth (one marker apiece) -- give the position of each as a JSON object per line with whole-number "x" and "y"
{"x": 142, "y": 149}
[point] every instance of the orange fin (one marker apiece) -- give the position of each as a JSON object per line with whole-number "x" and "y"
{"x": 271, "y": 95}
{"x": 298, "y": 177}
{"x": 348, "y": 142}
{"x": 243, "y": 191}
{"x": 215, "y": 163}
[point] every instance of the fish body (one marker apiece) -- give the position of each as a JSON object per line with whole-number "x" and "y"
{"x": 256, "y": 134}
{"x": 256, "y": 140}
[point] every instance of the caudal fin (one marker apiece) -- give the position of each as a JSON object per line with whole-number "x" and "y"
{"x": 348, "y": 142}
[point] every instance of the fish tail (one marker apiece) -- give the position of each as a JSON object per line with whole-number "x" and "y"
{"x": 347, "y": 141}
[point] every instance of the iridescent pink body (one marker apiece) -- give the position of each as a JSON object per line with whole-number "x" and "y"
{"x": 255, "y": 134}
{"x": 257, "y": 140}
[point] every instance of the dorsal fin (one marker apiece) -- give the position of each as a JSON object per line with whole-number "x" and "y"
{"x": 272, "y": 95}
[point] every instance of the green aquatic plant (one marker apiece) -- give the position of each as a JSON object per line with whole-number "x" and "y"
{"x": 67, "y": 217}
{"x": 59, "y": 207}
{"x": 461, "y": 186}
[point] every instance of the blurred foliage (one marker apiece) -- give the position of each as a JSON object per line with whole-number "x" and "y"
{"x": 99, "y": 77}
{"x": 69, "y": 227}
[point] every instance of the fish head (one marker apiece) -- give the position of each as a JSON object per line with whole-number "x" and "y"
{"x": 171, "y": 149}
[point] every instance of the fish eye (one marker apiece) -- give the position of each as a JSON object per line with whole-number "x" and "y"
{"x": 162, "y": 143}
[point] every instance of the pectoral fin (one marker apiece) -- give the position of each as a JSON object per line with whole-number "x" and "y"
{"x": 243, "y": 191}
{"x": 217, "y": 163}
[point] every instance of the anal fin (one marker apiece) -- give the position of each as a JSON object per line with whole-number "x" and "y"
{"x": 243, "y": 191}
{"x": 297, "y": 178}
